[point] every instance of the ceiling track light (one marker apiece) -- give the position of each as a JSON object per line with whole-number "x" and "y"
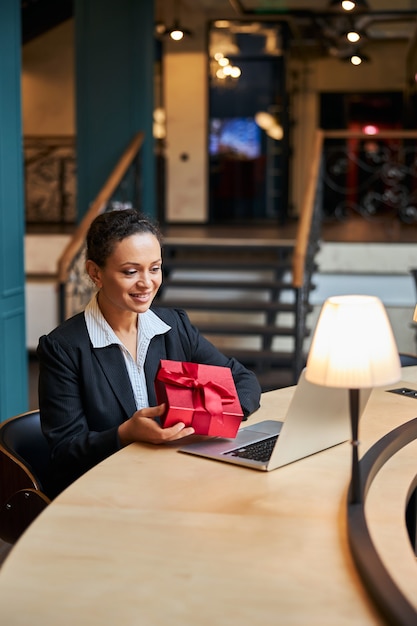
{"x": 349, "y": 6}
{"x": 356, "y": 58}
{"x": 176, "y": 32}
{"x": 353, "y": 35}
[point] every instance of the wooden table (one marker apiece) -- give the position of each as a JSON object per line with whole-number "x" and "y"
{"x": 154, "y": 537}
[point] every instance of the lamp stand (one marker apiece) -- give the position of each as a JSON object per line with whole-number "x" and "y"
{"x": 355, "y": 496}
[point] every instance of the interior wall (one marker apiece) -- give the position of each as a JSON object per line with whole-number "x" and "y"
{"x": 13, "y": 357}
{"x": 115, "y": 49}
{"x": 385, "y": 71}
{"x": 185, "y": 88}
{"x": 48, "y": 83}
{"x": 185, "y": 98}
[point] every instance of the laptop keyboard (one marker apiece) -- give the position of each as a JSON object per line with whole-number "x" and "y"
{"x": 258, "y": 451}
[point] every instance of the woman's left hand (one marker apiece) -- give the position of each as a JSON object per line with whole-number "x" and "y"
{"x": 142, "y": 426}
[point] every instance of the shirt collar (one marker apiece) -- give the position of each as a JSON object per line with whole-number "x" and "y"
{"x": 102, "y": 334}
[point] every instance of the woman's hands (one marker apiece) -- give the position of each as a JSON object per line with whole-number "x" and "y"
{"x": 142, "y": 426}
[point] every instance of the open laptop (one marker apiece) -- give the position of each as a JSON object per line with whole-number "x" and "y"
{"x": 317, "y": 418}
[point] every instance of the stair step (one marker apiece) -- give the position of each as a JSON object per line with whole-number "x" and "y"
{"x": 257, "y": 358}
{"x": 194, "y": 283}
{"x": 237, "y": 263}
{"x": 272, "y": 262}
{"x": 276, "y": 378}
{"x": 280, "y": 247}
{"x": 225, "y": 306}
{"x": 248, "y": 330}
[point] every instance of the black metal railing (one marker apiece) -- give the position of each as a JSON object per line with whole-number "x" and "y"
{"x": 50, "y": 167}
{"x": 370, "y": 175}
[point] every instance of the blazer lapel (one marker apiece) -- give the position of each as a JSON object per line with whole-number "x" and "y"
{"x": 112, "y": 363}
{"x": 156, "y": 352}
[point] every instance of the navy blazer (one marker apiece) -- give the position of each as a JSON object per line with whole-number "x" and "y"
{"x": 85, "y": 392}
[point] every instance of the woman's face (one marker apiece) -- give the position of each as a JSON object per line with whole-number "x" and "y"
{"x": 132, "y": 274}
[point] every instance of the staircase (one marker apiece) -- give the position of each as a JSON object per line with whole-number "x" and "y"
{"x": 249, "y": 296}
{"x": 240, "y": 294}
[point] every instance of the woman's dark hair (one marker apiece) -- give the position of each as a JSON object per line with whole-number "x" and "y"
{"x": 109, "y": 228}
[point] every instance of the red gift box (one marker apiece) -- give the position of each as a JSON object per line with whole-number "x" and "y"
{"x": 201, "y": 396}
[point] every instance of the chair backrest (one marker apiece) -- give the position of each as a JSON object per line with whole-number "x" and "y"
{"x": 407, "y": 359}
{"x": 24, "y": 470}
{"x": 22, "y": 437}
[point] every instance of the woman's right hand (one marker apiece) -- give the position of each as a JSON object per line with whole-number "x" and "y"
{"x": 142, "y": 426}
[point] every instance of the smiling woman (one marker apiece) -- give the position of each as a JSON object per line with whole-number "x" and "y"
{"x": 128, "y": 279}
{"x": 97, "y": 369}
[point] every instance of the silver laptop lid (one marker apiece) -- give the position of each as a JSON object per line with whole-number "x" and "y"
{"x": 317, "y": 418}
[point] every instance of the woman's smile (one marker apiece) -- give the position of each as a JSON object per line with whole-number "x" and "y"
{"x": 142, "y": 296}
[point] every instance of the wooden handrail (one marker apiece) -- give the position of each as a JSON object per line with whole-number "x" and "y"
{"x": 381, "y": 134}
{"x": 98, "y": 205}
{"x": 306, "y": 213}
{"x": 49, "y": 140}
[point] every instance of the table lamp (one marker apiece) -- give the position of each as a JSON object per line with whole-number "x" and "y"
{"x": 353, "y": 347}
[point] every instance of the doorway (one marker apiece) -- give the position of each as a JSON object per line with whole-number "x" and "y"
{"x": 247, "y": 134}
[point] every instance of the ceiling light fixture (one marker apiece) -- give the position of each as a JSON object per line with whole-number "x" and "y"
{"x": 175, "y": 32}
{"x": 353, "y": 36}
{"x": 270, "y": 124}
{"x": 357, "y": 58}
{"x": 354, "y": 56}
{"x": 264, "y": 120}
{"x": 349, "y": 6}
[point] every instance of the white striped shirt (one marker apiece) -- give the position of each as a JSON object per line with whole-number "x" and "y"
{"x": 102, "y": 335}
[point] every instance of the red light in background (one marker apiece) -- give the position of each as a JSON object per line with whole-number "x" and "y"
{"x": 370, "y": 129}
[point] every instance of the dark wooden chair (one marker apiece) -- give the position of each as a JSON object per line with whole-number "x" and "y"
{"x": 24, "y": 470}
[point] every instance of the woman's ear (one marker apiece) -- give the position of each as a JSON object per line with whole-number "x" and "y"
{"x": 93, "y": 271}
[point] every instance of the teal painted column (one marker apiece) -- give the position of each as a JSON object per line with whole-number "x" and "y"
{"x": 13, "y": 354}
{"x": 115, "y": 50}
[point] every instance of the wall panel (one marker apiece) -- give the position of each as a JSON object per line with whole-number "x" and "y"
{"x": 13, "y": 359}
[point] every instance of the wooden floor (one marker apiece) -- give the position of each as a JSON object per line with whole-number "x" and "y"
{"x": 379, "y": 229}
{"x": 385, "y": 228}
